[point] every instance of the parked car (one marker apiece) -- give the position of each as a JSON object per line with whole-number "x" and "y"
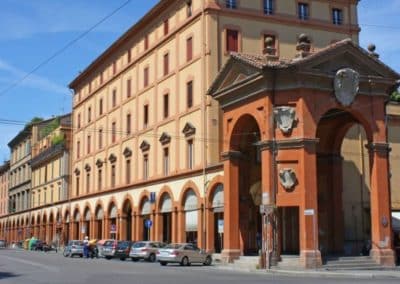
{"x": 74, "y": 247}
{"x": 146, "y": 250}
{"x": 109, "y": 248}
{"x": 3, "y": 244}
{"x": 184, "y": 254}
{"x": 100, "y": 246}
{"x": 38, "y": 245}
{"x": 122, "y": 250}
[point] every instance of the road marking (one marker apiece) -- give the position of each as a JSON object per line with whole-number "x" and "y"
{"x": 47, "y": 267}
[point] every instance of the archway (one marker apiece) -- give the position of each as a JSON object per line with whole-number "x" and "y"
{"x": 145, "y": 219}
{"x": 166, "y": 217}
{"x": 75, "y": 225}
{"x": 112, "y": 219}
{"x": 191, "y": 208}
{"x": 127, "y": 220}
{"x": 50, "y": 226}
{"x": 99, "y": 222}
{"x": 217, "y": 217}
{"x": 67, "y": 229}
{"x": 244, "y": 139}
{"x": 344, "y": 218}
{"x": 86, "y": 222}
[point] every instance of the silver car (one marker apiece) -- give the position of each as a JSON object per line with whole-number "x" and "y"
{"x": 146, "y": 250}
{"x": 184, "y": 254}
{"x": 74, "y": 247}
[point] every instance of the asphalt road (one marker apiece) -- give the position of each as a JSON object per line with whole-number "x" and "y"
{"x": 17, "y": 266}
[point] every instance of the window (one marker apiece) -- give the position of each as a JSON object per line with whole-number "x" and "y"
{"x": 90, "y": 87}
{"x": 128, "y": 124}
{"x": 190, "y": 154}
{"x": 166, "y": 105}
{"x": 89, "y": 114}
{"x": 166, "y": 64}
{"x": 87, "y": 182}
{"x": 99, "y": 179}
{"x": 189, "y": 8}
{"x": 189, "y": 49}
{"x": 101, "y": 78}
{"x": 337, "y": 16}
{"x": 189, "y": 94}
{"x": 145, "y": 77}
{"x": 128, "y": 88}
{"x": 231, "y": 4}
{"x": 166, "y": 161}
{"x": 101, "y": 106}
{"x": 129, "y": 55}
{"x": 114, "y": 66}
{"x": 145, "y": 167}
{"x": 113, "y": 132}
{"x": 113, "y": 176}
{"x": 145, "y": 115}
{"x": 128, "y": 171}
{"x": 78, "y": 123}
{"x": 100, "y": 138}
{"x": 166, "y": 27}
{"x": 77, "y": 186}
{"x": 88, "y": 144}
{"x": 38, "y": 199}
{"x": 232, "y": 43}
{"x": 268, "y": 7}
{"x": 78, "y": 149}
{"x": 303, "y": 11}
{"x": 114, "y": 98}
{"x": 146, "y": 42}
{"x": 45, "y": 196}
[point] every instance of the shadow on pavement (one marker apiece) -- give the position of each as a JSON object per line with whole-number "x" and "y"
{"x": 4, "y": 275}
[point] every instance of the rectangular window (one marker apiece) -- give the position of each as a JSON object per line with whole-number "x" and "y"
{"x": 89, "y": 114}
{"x": 90, "y": 87}
{"x": 88, "y": 144}
{"x": 78, "y": 149}
{"x": 166, "y": 27}
{"x": 129, "y": 55}
{"x": 77, "y": 186}
{"x": 38, "y": 200}
{"x": 166, "y": 105}
{"x": 128, "y": 124}
{"x": 166, "y": 161}
{"x": 231, "y": 4}
{"x": 101, "y": 78}
{"x": 145, "y": 77}
{"x": 114, "y": 68}
{"x": 303, "y": 11}
{"x": 128, "y": 171}
{"x": 100, "y": 138}
{"x": 189, "y": 49}
{"x": 189, "y": 94}
{"x": 113, "y": 132}
{"x": 166, "y": 64}
{"x": 146, "y": 42}
{"x": 268, "y": 7}
{"x": 45, "y": 196}
{"x": 114, "y": 98}
{"x": 113, "y": 176}
{"x": 145, "y": 115}
{"x": 337, "y": 16}
{"x": 99, "y": 179}
{"x": 145, "y": 167}
{"x": 189, "y": 8}
{"x": 78, "y": 123}
{"x": 190, "y": 154}
{"x": 232, "y": 42}
{"x": 100, "y": 106}
{"x": 128, "y": 88}
{"x": 87, "y": 182}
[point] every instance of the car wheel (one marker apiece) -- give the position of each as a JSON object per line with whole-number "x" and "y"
{"x": 81, "y": 255}
{"x": 134, "y": 259}
{"x": 108, "y": 257}
{"x": 152, "y": 257}
{"x": 208, "y": 261}
{"x": 163, "y": 263}
{"x": 71, "y": 255}
{"x": 185, "y": 261}
{"x": 65, "y": 253}
{"x": 122, "y": 258}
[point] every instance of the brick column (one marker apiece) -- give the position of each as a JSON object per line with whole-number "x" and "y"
{"x": 231, "y": 249}
{"x": 381, "y": 220}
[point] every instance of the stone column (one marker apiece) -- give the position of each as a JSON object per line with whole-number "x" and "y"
{"x": 231, "y": 249}
{"x": 381, "y": 220}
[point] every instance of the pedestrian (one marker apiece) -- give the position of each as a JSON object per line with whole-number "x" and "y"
{"x": 86, "y": 247}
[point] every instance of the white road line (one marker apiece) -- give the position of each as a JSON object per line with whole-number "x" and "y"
{"x": 36, "y": 264}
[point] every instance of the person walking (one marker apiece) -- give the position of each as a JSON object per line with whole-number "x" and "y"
{"x": 86, "y": 247}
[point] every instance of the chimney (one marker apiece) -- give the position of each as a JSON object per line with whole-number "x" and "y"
{"x": 371, "y": 51}
{"x": 303, "y": 46}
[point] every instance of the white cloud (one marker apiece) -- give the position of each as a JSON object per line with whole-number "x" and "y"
{"x": 10, "y": 74}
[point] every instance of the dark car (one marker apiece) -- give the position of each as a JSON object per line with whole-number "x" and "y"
{"x": 3, "y": 244}
{"x": 38, "y": 245}
{"x": 122, "y": 250}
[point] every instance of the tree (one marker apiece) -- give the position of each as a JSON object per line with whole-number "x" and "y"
{"x": 395, "y": 96}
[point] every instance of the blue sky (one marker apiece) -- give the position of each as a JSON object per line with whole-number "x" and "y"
{"x": 31, "y": 31}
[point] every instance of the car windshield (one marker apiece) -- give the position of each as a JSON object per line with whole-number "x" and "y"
{"x": 173, "y": 246}
{"x": 76, "y": 243}
{"x": 139, "y": 244}
{"x": 108, "y": 243}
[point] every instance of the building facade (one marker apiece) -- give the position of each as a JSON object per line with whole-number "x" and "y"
{"x": 4, "y": 172}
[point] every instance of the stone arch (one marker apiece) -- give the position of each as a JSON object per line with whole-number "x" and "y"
{"x": 186, "y": 187}
{"x": 99, "y": 219}
{"x": 240, "y": 126}
{"x": 165, "y": 190}
{"x": 212, "y": 186}
{"x": 112, "y": 202}
{"x": 127, "y": 199}
{"x": 127, "y": 210}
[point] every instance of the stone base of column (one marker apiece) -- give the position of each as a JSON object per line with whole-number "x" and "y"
{"x": 310, "y": 259}
{"x": 384, "y": 257}
{"x": 229, "y": 255}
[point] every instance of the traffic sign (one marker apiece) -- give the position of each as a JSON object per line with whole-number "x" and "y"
{"x": 113, "y": 229}
{"x": 148, "y": 223}
{"x": 308, "y": 212}
{"x": 220, "y": 226}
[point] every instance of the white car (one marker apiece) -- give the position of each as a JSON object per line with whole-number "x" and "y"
{"x": 183, "y": 253}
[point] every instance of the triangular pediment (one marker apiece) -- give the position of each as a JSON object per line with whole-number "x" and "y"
{"x": 344, "y": 55}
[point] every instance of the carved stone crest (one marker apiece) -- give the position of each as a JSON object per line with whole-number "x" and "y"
{"x": 285, "y": 117}
{"x": 287, "y": 178}
{"x": 346, "y": 85}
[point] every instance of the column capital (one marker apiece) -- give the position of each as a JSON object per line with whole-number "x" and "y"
{"x": 379, "y": 147}
{"x": 231, "y": 155}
